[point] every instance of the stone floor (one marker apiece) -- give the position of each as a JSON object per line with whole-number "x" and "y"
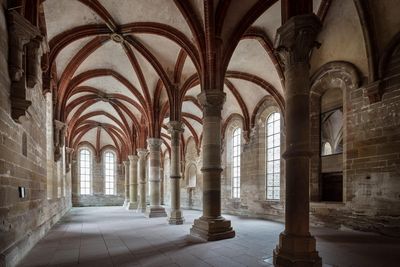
{"x": 112, "y": 236}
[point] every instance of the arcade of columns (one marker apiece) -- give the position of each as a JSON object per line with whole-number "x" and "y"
{"x": 295, "y": 41}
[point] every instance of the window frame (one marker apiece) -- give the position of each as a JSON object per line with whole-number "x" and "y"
{"x": 273, "y": 166}
{"x": 114, "y": 172}
{"x": 89, "y": 174}
{"x": 236, "y": 162}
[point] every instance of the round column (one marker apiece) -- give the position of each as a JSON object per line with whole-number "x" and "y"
{"x": 142, "y": 153}
{"x": 133, "y": 182}
{"x": 155, "y": 209}
{"x": 126, "y": 173}
{"x": 295, "y": 41}
{"x": 212, "y": 226}
{"x": 175, "y": 129}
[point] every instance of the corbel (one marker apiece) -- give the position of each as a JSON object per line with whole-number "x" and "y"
{"x": 23, "y": 60}
{"x": 374, "y": 91}
{"x": 59, "y": 138}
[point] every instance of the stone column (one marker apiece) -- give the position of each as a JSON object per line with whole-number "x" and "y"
{"x": 126, "y": 173}
{"x": 295, "y": 40}
{"x": 212, "y": 226}
{"x": 162, "y": 186}
{"x": 133, "y": 182}
{"x": 175, "y": 129}
{"x": 155, "y": 209}
{"x": 142, "y": 153}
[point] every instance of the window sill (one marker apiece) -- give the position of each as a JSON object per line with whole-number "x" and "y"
{"x": 326, "y": 204}
{"x": 270, "y": 201}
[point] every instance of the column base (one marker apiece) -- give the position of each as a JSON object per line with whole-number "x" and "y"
{"x": 212, "y": 229}
{"x": 126, "y": 203}
{"x": 132, "y": 206}
{"x": 296, "y": 251}
{"x": 155, "y": 211}
{"x": 176, "y": 217}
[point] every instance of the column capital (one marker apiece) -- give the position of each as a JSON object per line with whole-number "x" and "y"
{"x": 212, "y": 98}
{"x": 133, "y": 158}
{"x": 175, "y": 126}
{"x": 154, "y": 143}
{"x": 126, "y": 163}
{"x": 296, "y": 38}
{"x": 142, "y": 152}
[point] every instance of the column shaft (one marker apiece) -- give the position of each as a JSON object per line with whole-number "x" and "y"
{"x": 155, "y": 209}
{"x": 142, "y": 153}
{"x": 175, "y": 129}
{"x": 133, "y": 182}
{"x": 126, "y": 173}
{"x": 212, "y": 226}
{"x": 295, "y": 40}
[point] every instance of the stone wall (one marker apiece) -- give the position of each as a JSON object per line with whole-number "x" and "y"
{"x": 98, "y": 198}
{"x": 192, "y": 191}
{"x": 23, "y": 163}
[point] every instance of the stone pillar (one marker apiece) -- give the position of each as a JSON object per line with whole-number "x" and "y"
{"x": 295, "y": 40}
{"x": 133, "y": 182}
{"x": 155, "y": 209}
{"x": 126, "y": 173}
{"x": 162, "y": 186}
{"x": 142, "y": 153}
{"x": 175, "y": 129}
{"x": 212, "y": 226}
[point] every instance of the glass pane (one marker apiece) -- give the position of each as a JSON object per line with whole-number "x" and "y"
{"x": 270, "y": 167}
{"x": 276, "y": 193}
{"x": 270, "y": 128}
{"x": 277, "y": 139}
{"x": 276, "y": 127}
{"x": 276, "y": 166}
{"x": 270, "y": 180}
{"x": 269, "y": 194}
{"x": 270, "y": 142}
{"x": 270, "y": 154}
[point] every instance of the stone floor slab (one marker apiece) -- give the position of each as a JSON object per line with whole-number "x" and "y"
{"x": 114, "y": 236}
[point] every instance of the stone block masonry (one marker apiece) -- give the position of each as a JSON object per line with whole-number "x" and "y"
{"x": 23, "y": 163}
{"x": 98, "y": 196}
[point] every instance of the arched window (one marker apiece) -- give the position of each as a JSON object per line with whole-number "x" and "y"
{"x": 273, "y": 136}
{"x": 109, "y": 173}
{"x": 326, "y": 149}
{"x": 191, "y": 176}
{"x": 236, "y": 143}
{"x": 85, "y": 171}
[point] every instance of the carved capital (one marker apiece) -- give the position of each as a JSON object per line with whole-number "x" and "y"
{"x": 154, "y": 144}
{"x": 374, "y": 91}
{"x": 126, "y": 163}
{"x": 175, "y": 126}
{"x": 212, "y": 101}
{"x": 59, "y": 134}
{"x": 133, "y": 158}
{"x": 68, "y": 158}
{"x": 296, "y": 39}
{"x": 142, "y": 153}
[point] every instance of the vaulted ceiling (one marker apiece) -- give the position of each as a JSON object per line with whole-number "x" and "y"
{"x": 117, "y": 63}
